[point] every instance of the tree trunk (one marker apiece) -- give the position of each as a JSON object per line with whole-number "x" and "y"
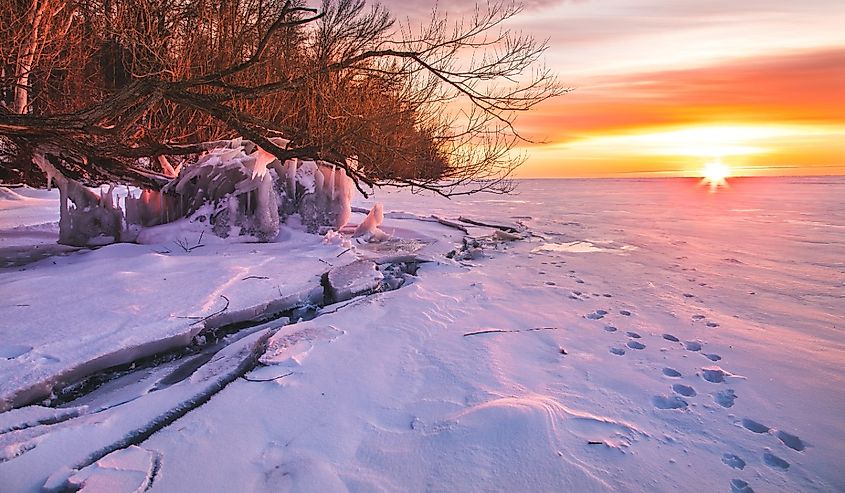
{"x": 27, "y": 59}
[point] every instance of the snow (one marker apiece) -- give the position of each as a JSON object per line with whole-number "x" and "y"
{"x": 668, "y": 339}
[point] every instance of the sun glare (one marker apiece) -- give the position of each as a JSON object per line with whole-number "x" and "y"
{"x": 715, "y": 174}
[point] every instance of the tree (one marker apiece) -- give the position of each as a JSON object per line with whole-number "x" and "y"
{"x": 430, "y": 107}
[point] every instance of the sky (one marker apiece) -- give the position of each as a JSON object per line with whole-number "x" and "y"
{"x": 662, "y": 88}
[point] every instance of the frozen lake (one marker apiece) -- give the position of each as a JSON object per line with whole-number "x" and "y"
{"x": 644, "y": 335}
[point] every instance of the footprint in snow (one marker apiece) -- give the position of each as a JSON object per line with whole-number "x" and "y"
{"x": 689, "y": 295}
{"x": 698, "y": 317}
{"x": 617, "y": 351}
{"x": 775, "y": 462}
{"x": 753, "y": 426}
{"x": 790, "y": 440}
{"x": 669, "y": 402}
{"x": 714, "y": 374}
{"x": 671, "y": 373}
{"x": 712, "y": 357}
{"x": 595, "y": 315}
{"x": 625, "y": 312}
{"x": 12, "y": 351}
{"x": 733, "y": 461}
{"x": 692, "y": 346}
{"x": 740, "y": 486}
{"x": 610, "y": 328}
{"x": 635, "y": 345}
{"x": 633, "y": 335}
{"x": 712, "y": 324}
{"x": 725, "y": 398}
{"x": 684, "y": 390}
{"x": 670, "y": 337}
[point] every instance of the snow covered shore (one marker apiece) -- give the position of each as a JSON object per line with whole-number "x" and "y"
{"x": 623, "y": 345}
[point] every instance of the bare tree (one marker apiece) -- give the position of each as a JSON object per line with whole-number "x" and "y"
{"x": 431, "y": 107}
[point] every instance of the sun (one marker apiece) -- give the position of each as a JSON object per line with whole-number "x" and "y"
{"x": 715, "y": 174}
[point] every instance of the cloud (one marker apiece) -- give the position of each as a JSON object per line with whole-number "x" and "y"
{"x": 789, "y": 88}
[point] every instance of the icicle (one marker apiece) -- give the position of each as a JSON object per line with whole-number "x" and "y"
{"x": 290, "y": 171}
{"x": 319, "y": 179}
{"x": 332, "y": 181}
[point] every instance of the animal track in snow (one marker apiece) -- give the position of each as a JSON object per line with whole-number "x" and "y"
{"x": 753, "y": 426}
{"x": 712, "y": 357}
{"x": 669, "y": 402}
{"x": 684, "y": 390}
{"x": 740, "y": 486}
{"x": 610, "y": 328}
{"x": 617, "y": 351}
{"x": 790, "y": 440}
{"x": 670, "y": 337}
{"x": 633, "y": 335}
{"x": 625, "y": 312}
{"x": 671, "y": 372}
{"x": 594, "y": 315}
{"x": 712, "y": 324}
{"x": 725, "y": 398}
{"x": 714, "y": 374}
{"x": 698, "y": 317}
{"x": 733, "y": 460}
{"x": 692, "y": 346}
{"x": 774, "y": 461}
{"x": 635, "y": 345}
{"x": 689, "y": 295}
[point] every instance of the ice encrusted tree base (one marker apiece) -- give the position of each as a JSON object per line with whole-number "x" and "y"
{"x": 237, "y": 188}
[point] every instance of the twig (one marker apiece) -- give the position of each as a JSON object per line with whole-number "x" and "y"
{"x": 254, "y": 277}
{"x": 595, "y": 442}
{"x": 323, "y": 261}
{"x": 218, "y": 312}
{"x": 266, "y": 379}
{"x": 490, "y": 331}
{"x": 487, "y": 332}
{"x": 341, "y": 253}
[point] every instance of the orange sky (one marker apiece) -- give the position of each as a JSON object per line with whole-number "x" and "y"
{"x": 661, "y": 87}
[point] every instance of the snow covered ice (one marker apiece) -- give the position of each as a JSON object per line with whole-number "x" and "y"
{"x": 642, "y": 335}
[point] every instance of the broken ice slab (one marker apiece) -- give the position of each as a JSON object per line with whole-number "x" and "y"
{"x": 351, "y": 280}
{"x": 51, "y": 464}
{"x": 127, "y": 470}
{"x": 138, "y": 301}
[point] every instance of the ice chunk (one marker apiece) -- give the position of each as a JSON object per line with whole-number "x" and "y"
{"x": 127, "y": 470}
{"x": 348, "y": 281}
{"x": 368, "y": 229}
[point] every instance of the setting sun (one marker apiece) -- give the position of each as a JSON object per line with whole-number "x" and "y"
{"x": 715, "y": 174}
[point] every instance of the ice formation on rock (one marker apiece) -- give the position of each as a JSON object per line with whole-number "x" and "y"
{"x": 237, "y": 187}
{"x": 89, "y": 219}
